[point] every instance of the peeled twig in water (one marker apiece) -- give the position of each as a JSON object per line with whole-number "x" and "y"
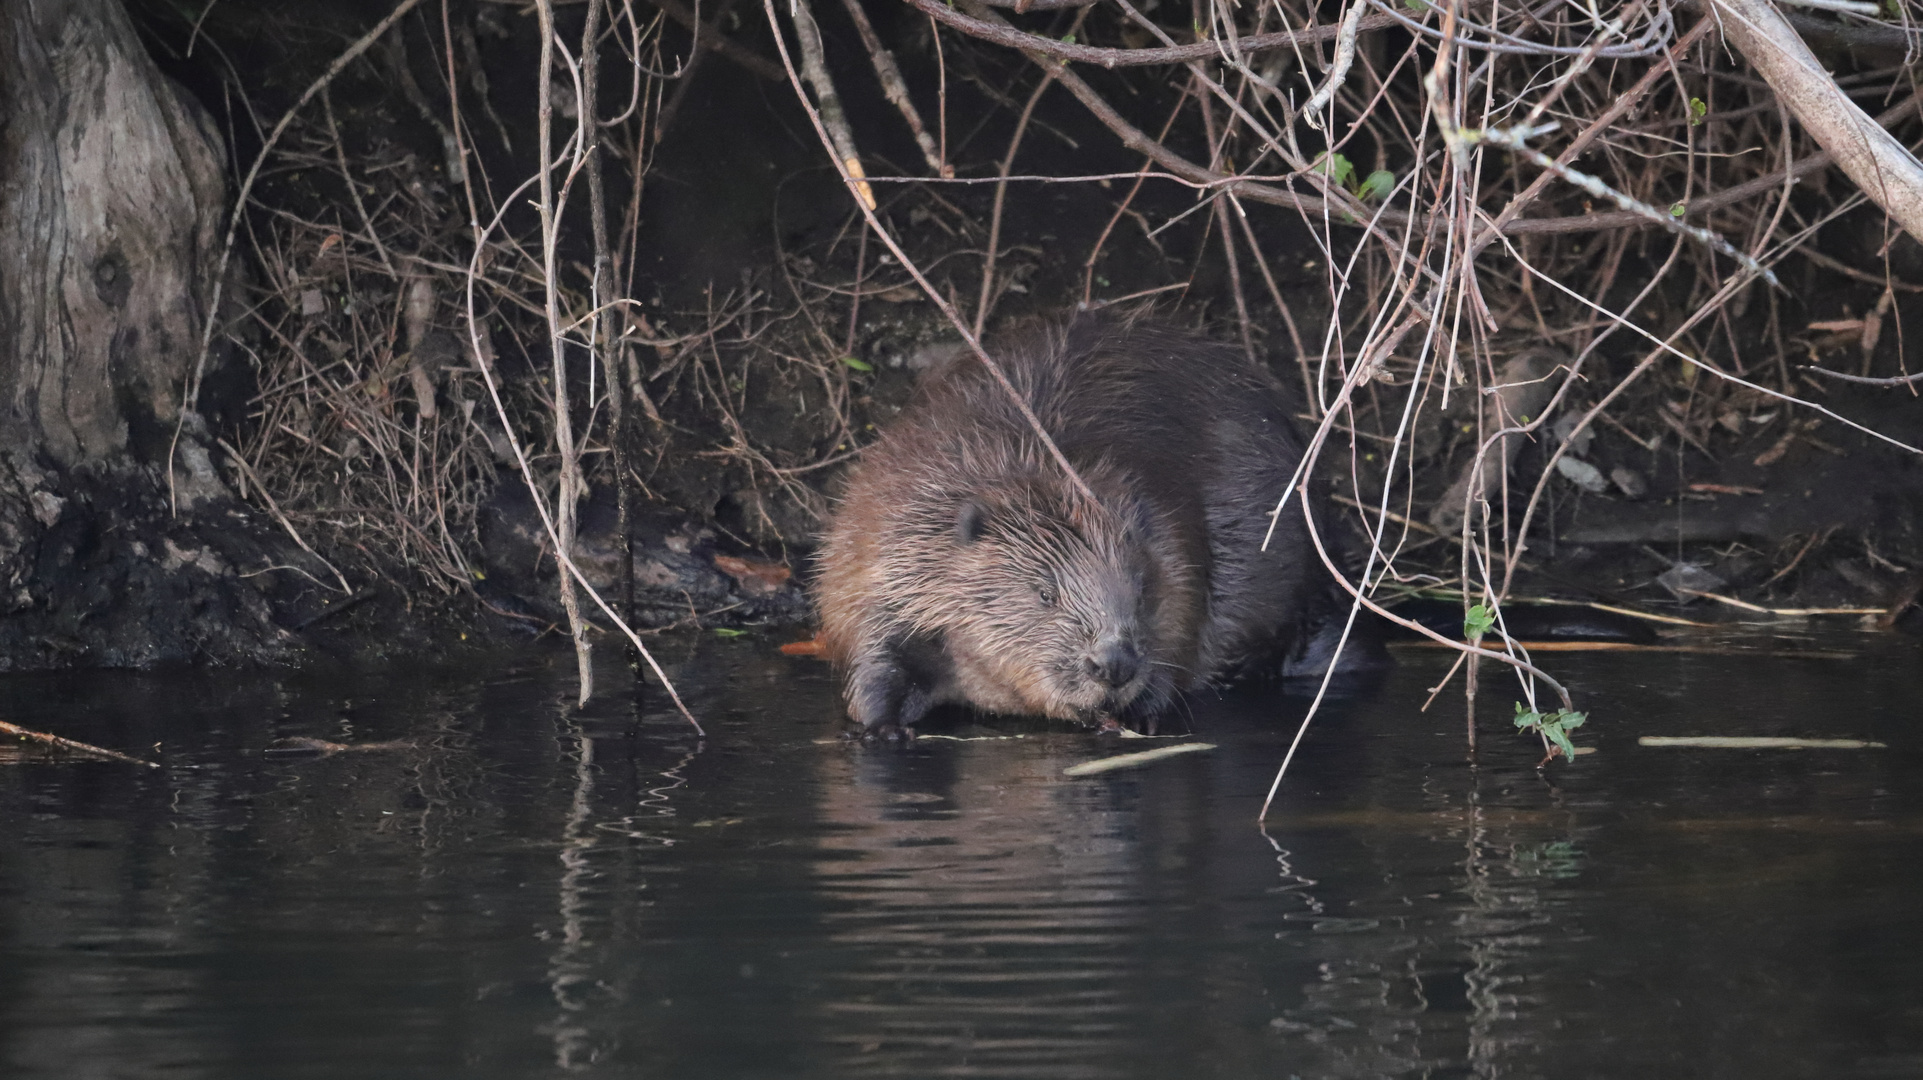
{"x": 1130, "y": 761}
{"x": 1757, "y": 742}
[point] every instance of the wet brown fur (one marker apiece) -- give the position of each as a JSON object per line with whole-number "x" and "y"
{"x": 963, "y": 567}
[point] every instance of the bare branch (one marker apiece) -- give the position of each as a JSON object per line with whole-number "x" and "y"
{"x": 1883, "y": 168}
{"x": 1002, "y": 34}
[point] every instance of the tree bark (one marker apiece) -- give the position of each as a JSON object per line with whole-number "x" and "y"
{"x": 110, "y": 203}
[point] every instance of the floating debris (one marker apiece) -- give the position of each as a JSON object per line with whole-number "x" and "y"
{"x": 301, "y": 744}
{"x": 57, "y": 742}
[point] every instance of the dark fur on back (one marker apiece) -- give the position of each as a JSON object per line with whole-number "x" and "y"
{"x": 963, "y": 566}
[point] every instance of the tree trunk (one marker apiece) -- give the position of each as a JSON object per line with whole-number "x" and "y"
{"x": 111, "y": 201}
{"x": 110, "y": 207}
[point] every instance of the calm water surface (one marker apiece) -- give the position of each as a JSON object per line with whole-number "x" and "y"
{"x": 510, "y": 888}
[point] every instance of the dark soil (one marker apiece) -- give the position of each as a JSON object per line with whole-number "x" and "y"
{"x": 101, "y": 572}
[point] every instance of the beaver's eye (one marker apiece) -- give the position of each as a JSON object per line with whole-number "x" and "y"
{"x": 1045, "y": 591}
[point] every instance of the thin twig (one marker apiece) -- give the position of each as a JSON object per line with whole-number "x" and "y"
{"x": 987, "y": 296}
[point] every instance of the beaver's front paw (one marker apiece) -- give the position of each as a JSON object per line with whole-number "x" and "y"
{"x": 889, "y": 732}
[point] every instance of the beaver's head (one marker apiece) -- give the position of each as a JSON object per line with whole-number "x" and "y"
{"x": 1063, "y": 603}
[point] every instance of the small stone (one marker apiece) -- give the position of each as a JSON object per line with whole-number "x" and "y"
{"x": 312, "y": 303}
{"x": 1580, "y": 444}
{"x": 935, "y": 354}
{"x": 1686, "y": 581}
{"x": 1582, "y": 474}
{"x": 1629, "y": 482}
{"x": 47, "y": 507}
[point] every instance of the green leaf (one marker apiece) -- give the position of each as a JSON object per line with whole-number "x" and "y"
{"x": 1678, "y": 210}
{"x": 1335, "y": 167}
{"x": 1416, "y": 5}
{"x": 1558, "y": 731}
{"x": 857, "y": 363}
{"x": 1068, "y": 39}
{"x": 1378, "y": 185}
{"x": 1698, "y": 108}
{"x": 1555, "y": 727}
{"x": 725, "y": 632}
{"x": 1477, "y": 622}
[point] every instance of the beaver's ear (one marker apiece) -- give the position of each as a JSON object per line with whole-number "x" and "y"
{"x": 970, "y": 521}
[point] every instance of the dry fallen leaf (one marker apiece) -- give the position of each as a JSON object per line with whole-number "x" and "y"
{"x": 1837, "y": 326}
{"x": 810, "y": 647}
{"x": 1775, "y": 453}
{"x": 1726, "y": 489}
{"x": 757, "y": 577}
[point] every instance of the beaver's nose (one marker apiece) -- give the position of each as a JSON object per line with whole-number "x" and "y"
{"x": 1115, "y": 664}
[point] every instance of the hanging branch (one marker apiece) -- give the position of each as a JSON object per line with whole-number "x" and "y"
{"x": 815, "y": 67}
{"x": 603, "y": 281}
{"x": 896, "y": 90}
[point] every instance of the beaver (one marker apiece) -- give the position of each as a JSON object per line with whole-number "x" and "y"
{"x": 963, "y": 566}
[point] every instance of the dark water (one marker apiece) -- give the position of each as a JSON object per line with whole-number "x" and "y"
{"x": 519, "y": 890}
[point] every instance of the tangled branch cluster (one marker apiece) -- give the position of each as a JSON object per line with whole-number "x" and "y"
{"x": 1475, "y": 226}
{"x": 1563, "y": 198}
